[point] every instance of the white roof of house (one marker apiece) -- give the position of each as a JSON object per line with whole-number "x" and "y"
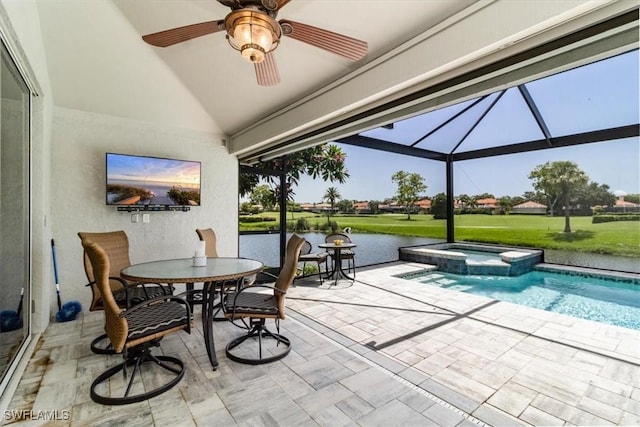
{"x": 530, "y": 204}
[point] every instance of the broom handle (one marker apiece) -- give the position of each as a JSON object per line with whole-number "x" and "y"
{"x": 55, "y": 273}
{"x": 20, "y": 303}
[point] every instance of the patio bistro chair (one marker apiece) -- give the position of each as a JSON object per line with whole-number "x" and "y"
{"x": 208, "y": 236}
{"x": 248, "y": 302}
{"x": 133, "y": 332}
{"x": 345, "y": 254}
{"x": 116, "y": 246}
{"x": 318, "y": 257}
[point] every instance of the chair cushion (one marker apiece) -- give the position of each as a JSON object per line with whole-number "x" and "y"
{"x": 249, "y": 303}
{"x": 156, "y": 318}
{"x": 345, "y": 253}
{"x": 317, "y": 257}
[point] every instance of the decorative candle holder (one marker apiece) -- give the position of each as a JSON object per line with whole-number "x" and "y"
{"x": 199, "y": 261}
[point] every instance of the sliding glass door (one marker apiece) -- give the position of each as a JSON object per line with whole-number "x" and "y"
{"x": 15, "y": 289}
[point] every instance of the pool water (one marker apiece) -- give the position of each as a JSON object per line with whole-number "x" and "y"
{"x": 601, "y": 300}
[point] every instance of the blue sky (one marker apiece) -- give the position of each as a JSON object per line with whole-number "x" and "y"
{"x": 597, "y": 96}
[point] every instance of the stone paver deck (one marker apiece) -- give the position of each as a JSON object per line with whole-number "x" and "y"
{"x": 502, "y": 363}
{"x": 380, "y": 351}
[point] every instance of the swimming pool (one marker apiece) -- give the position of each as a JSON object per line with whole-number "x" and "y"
{"x": 592, "y": 298}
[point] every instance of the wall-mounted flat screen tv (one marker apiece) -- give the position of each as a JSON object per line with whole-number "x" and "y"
{"x": 151, "y": 181}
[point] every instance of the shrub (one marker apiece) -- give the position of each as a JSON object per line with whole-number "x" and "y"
{"x": 331, "y": 227}
{"x": 301, "y": 225}
{"x": 257, "y": 219}
{"x": 599, "y": 219}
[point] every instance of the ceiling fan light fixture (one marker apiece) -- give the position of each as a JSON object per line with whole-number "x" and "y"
{"x": 253, "y": 33}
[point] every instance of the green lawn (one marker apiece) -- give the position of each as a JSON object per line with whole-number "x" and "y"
{"x": 615, "y": 238}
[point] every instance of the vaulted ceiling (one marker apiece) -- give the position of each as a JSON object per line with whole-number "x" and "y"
{"x": 98, "y": 61}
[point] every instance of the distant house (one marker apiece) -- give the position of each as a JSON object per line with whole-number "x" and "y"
{"x": 361, "y": 207}
{"x": 322, "y": 207}
{"x": 307, "y": 206}
{"x": 529, "y": 207}
{"x": 424, "y": 205}
{"x": 391, "y": 208}
{"x": 623, "y": 205}
{"x": 487, "y": 203}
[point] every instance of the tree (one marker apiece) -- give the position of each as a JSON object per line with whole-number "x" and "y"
{"x": 633, "y": 198}
{"x": 483, "y": 196}
{"x": 410, "y": 185}
{"x": 466, "y": 201}
{"x": 325, "y": 161}
{"x": 246, "y": 208}
{"x": 516, "y": 200}
{"x": 559, "y": 181}
{"x": 263, "y": 195}
{"x": 331, "y": 196}
{"x": 439, "y": 206}
{"x": 374, "y": 206}
{"x": 247, "y": 182}
{"x": 534, "y": 196}
{"x": 594, "y": 194}
{"x": 345, "y": 206}
{"x": 505, "y": 204}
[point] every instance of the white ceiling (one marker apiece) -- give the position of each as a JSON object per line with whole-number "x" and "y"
{"x": 98, "y": 61}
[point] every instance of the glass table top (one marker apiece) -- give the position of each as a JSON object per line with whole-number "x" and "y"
{"x": 183, "y": 270}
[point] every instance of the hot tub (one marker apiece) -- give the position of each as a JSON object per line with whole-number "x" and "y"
{"x": 467, "y": 258}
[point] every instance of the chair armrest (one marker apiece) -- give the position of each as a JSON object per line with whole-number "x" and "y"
{"x": 238, "y": 292}
{"x": 126, "y": 286}
{"x": 266, "y": 273}
{"x": 119, "y": 279}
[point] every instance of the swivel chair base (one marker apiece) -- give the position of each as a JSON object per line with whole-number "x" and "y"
{"x": 102, "y": 345}
{"x": 137, "y": 357}
{"x": 258, "y": 331}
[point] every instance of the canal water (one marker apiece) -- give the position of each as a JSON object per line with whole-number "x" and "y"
{"x": 378, "y": 248}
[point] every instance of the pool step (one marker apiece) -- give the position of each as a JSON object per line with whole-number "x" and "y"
{"x": 441, "y": 281}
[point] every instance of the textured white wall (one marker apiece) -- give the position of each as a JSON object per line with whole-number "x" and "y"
{"x": 79, "y": 143}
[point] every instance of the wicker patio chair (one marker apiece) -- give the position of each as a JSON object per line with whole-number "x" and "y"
{"x": 126, "y": 294}
{"x": 249, "y": 302}
{"x": 208, "y": 236}
{"x": 316, "y": 257}
{"x": 133, "y": 332}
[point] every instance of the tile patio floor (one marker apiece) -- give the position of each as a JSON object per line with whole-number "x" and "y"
{"x": 380, "y": 351}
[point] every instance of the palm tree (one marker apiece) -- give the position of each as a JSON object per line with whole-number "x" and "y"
{"x": 331, "y": 196}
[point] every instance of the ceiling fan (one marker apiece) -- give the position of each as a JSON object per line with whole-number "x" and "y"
{"x": 252, "y": 29}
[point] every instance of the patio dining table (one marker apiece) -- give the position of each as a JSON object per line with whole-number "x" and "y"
{"x": 338, "y": 272}
{"x": 219, "y": 272}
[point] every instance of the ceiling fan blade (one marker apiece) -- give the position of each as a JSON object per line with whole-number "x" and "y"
{"x": 339, "y": 44}
{"x": 177, "y": 35}
{"x": 282, "y": 3}
{"x": 267, "y": 71}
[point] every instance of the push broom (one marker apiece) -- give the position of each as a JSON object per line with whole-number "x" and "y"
{"x": 69, "y": 310}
